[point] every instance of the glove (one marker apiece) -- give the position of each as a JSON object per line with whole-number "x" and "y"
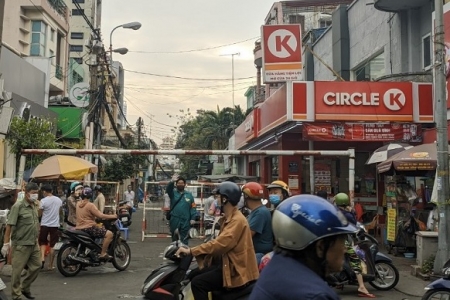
{"x": 192, "y": 222}
{"x": 5, "y": 249}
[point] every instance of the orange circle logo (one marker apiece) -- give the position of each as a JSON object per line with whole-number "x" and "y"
{"x": 419, "y": 154}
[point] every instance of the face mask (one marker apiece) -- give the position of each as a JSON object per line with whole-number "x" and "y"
{"x": 34, "y": 197}
{"x": 275, "y": 199}
{"x": 180, "y": 188}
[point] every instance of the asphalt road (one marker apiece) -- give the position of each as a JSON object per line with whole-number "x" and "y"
{"x": 107, "y": 283}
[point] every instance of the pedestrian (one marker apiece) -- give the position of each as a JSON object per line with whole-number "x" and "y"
{"x": 183, "y": 210}
{"x": 129, "y": 197}
{"x": 99, "y": 201}
{"x": 49, "y": 209}
{"x": 21, "y": 236}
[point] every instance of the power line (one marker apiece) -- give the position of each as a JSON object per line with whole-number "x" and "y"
{"x": 196, "y": 50}
{"x": 189, "y": 78}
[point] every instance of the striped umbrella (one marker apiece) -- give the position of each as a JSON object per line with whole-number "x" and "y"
{"x": 386, "y": 151}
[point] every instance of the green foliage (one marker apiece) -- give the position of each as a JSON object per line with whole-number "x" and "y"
{"x": 208, "y": 130}
{"x": 34, "y": 134}
{"x": 428, "y": 265}
{"x": 122, "y": 167}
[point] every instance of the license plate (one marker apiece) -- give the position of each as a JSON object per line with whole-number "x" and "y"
{"x": 58, "y": 246}
{"x": 124, "y": 219}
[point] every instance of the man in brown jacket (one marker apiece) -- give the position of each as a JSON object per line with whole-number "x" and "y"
{"x": 228, "y": 261}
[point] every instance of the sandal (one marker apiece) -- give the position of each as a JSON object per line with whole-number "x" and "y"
{"x": 366, "y": 295}
{"x": 105, "y": 257}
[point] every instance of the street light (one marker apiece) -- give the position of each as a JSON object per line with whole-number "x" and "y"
{"x": 132, "y": 25}
{"x": 232, "y": 70}
{"x": 122, "y": 51}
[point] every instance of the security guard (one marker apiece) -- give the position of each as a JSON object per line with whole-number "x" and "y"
{"x": 182, "y": 209}
{"x": 22, "y": 229}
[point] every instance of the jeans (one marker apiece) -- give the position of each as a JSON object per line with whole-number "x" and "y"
{"x": 207, "y": 280}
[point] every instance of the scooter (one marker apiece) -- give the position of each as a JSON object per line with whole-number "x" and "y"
{"x": 381, "y": 273}
{"x": 440, "y": 288}
{"x": 78, "y": 250}
{"x": 171, "y": 280}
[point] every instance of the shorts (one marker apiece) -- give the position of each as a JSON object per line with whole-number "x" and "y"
{"x": 95, "y": 231}
{"x": 45, "y": 232}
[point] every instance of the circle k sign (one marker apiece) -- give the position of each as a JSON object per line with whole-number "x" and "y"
{"x": 394, "y": 99}
{"x": 282, "y": 43}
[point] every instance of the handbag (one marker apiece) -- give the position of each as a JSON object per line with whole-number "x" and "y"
{"x": 168, "y": 216}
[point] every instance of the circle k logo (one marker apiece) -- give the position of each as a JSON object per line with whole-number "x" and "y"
{"x": 394, "y": 99}
{"x": 282, "y": 43}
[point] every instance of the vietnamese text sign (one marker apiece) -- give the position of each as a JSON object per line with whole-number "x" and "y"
{"x": 373, "y": 132}
{"x": 282, "y": 52}
{"x": 391, "y": 224}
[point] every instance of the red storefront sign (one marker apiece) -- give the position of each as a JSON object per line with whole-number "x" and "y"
{"x": 364, "y": 101}
{"x": 369, "y": 132}
{"x": 247, "y": 130}
{"x": 273, "y": 111}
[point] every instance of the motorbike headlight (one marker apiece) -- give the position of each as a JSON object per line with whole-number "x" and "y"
{"x": 168, "y": 248}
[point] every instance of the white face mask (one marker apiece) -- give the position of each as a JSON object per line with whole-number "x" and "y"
{"x": 34, "y": 197}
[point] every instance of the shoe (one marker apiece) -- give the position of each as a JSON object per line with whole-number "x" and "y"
{"x": 28, "y": 295}
{"x": 106, "y": 257}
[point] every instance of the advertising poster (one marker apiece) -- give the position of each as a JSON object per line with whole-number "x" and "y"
{"x": 391, "y": 221}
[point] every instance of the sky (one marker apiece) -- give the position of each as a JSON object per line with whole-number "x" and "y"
{"x": 180, "y": 26}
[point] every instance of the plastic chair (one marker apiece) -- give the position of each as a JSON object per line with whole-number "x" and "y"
{"x": 124, "y": 229}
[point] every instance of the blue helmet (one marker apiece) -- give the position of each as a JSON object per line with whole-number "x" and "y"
{"x": 302, "y": 220}
{"x": 74, "y": 185}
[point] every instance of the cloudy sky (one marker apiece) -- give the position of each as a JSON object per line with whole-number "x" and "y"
{"x": 182, "y": 26}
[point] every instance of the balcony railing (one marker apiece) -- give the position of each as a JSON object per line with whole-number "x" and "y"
{"x": 59, "y": 72}
{"x": 59, "y": 6}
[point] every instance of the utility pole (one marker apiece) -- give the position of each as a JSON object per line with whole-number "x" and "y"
{"x": 138, "y": 167}
{"x": 442, "y": 171}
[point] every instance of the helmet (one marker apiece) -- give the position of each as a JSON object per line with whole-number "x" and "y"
{"x": 342, "y": 199}
{"x": 74, "y": 185}
{"x": 87, "y": 193}
{"x": 253, "y": 190}
{"x": 304, "y": 219}
{"x": 98, "y": 188}
{"x": 230, "y": 190}
{"x": 281, "y": 185}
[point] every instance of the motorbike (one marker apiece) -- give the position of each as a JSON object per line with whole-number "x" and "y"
{"x": 171, "y": 280}
{"x": 124, "y": 214}
{"x": 78, "y": 250}
{"x": 380, "y": 273}
{"x": 440, "y": 288}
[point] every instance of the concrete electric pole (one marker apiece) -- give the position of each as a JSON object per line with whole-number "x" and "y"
{"x": 442, "y": 171}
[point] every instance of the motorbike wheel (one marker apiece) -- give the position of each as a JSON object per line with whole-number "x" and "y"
{"x": 389, "y": 276}
{"x": 436, "y": 294}
{"x": 64, "y": 267}
{"x": 121, "y": 256}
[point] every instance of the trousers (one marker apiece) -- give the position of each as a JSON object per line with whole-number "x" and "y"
{"x": 24, "y": 256}
{"x": 208, "y": 280}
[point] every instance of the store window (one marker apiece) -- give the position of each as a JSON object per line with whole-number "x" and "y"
{"x": 426, "y": 52}
{"x": 371, "y": 70}
{"x": 38, "y": 38}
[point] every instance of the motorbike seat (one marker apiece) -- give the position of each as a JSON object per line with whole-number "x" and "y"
{"x": 233, "y": 294}
{"x": 80, "y": 232}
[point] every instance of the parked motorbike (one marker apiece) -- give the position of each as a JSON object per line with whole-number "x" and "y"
{"x": 381, "y": 273}
{"x": 172, "y": 279}
{"x": 440, "y": 288}
{"x": 79, "y": 250}
{"x": 124, "y": 214}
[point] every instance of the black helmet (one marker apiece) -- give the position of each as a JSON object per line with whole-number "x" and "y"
{"x": 231, "y": 191}
{"x": 98, "y": 188}
{"x": 87, "y": 193}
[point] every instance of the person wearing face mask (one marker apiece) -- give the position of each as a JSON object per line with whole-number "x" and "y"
{"x": 183, "y": 210}
{"x": 259, "y": 220}
{"x": 310, "y": 234}
{"x": 278, "y": 191}
{"x": 229, "y": 260}
{"x": 22, "y": 230}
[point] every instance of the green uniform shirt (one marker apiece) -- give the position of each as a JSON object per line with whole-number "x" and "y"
{"x": 23, "y": 218}
{"x": 185, "y": 208}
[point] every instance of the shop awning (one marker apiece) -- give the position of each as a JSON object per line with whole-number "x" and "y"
{"x": 227, "y": 177}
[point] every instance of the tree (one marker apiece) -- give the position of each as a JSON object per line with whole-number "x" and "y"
{"x": 208, "y": 130}
{"x": 32, "y": 134}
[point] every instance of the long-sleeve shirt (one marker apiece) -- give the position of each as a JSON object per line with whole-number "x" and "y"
{"x": 184, "y": 208}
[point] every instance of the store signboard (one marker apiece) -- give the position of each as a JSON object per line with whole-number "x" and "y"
{"x": 273, "y": 111}
{"x": 364, "y": 101}
{"x": 391, "y": 224}
{"x": 247, "y": 130}
{"x": 282, "y": 52}
{"x": 368, "y": 132}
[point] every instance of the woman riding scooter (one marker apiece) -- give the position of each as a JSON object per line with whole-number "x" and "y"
{"x": 278, "y": 191}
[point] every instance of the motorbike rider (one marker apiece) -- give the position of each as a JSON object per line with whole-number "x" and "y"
{"x": 278, "y": 191}
{"x": 260, "y": 219}
{"x": 310, "y": 235}
{"x": 342, "y": 201}
{"x": 87, "y": 212}
{"x": 229, "y": 260}
{"x": 75, "y": 190}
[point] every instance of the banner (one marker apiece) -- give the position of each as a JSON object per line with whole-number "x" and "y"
{"x": 369, "y": 132}
{"x": 391, "y": 224}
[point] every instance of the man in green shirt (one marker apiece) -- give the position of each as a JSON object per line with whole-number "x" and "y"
{"x": 22, "y": 229}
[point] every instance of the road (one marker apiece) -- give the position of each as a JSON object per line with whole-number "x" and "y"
{"x": 107, "y": 283}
